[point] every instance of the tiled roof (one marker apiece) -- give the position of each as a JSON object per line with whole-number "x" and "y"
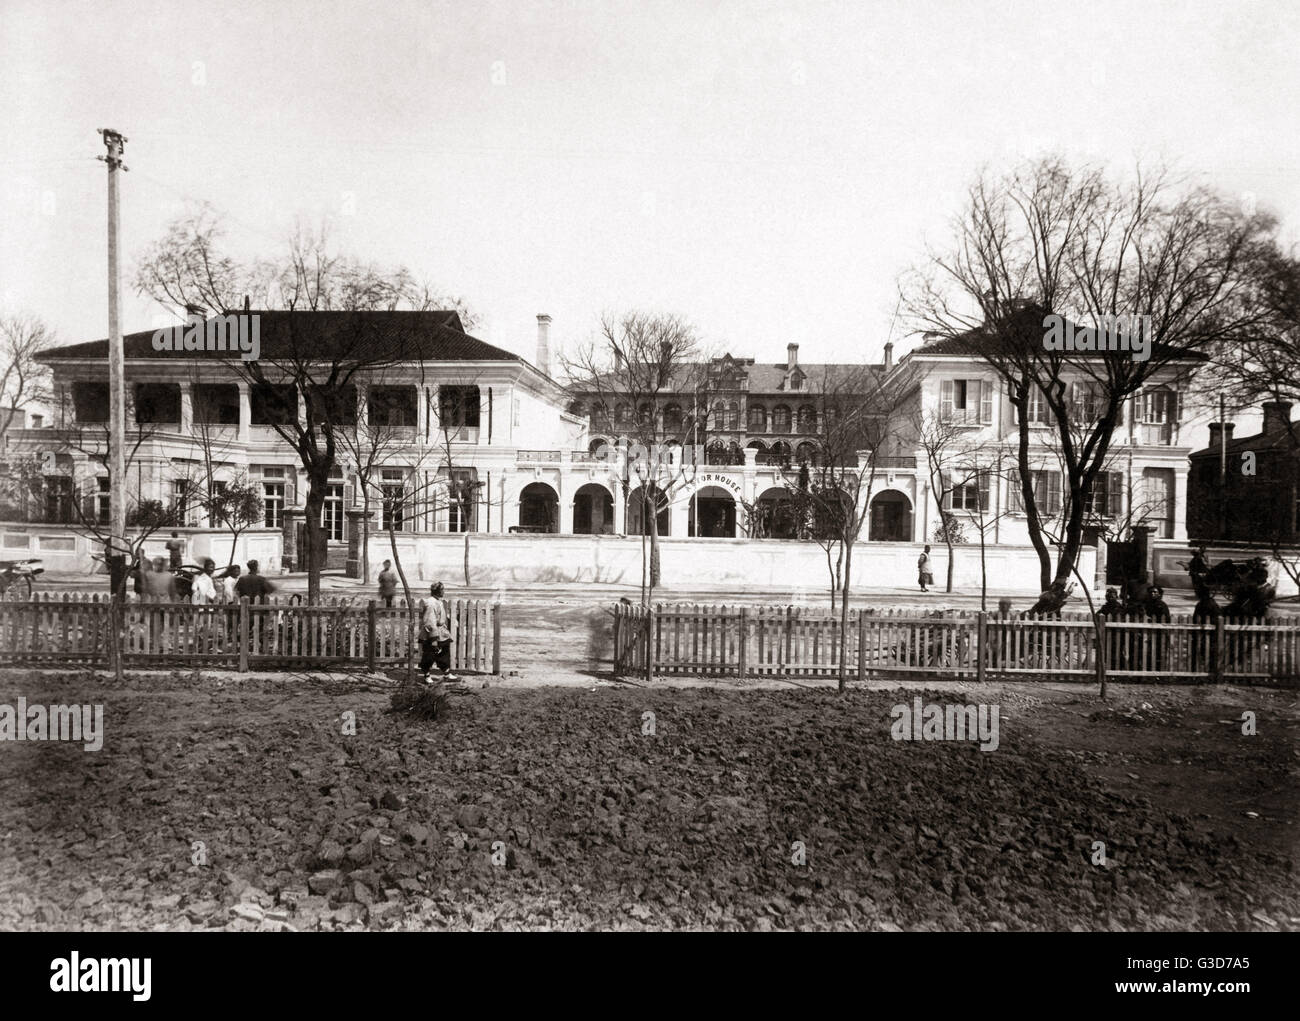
{"x": 392, "y": 336}
{"x": 1026, "y": 330}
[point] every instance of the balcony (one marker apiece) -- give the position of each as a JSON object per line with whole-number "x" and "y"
{"x": 537, "y": 457}
{"x": 896, "y": 462}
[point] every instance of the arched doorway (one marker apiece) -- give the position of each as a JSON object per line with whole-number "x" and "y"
{"x": 593, "y": 510}
{"x": 775, "y": 515}
{"x": 891, "y": 517}
{"x": 713, "y": 514}
{"x": 539, "y": 508}
{"x": 638, "y": 522}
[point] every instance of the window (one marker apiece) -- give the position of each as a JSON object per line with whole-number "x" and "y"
{"x": 272, "y": 405}
{"x": 1157, "y": 507}
{"x": 673, "y": 419}
{"x": 968, "y": 491}
{"x": 332, "y": 513}
{"x": 157, "y": 403}
{"x": 458, "y": 409}
{"x": 392, "y": 406}
{"x": 756, "y": 417}
{"x": 807, "y": 419}
{"x": 90, "y": 401}
{"x": 38, "y": 421}
{"x": 1158, "y": 406}
{"x": 216, "y": 404}
{"x": 393, "y": 488}
{"x": 780, "y": 419}
{"x": 462, "y": 500}
{"x": 273, "y": 501}
{"x": 58, "y": 500}
{"x": 966, "y": 401}
{"x": 102, "y": 500}
{"x": 182, "y": 490}
{"x": 338, "y": 404}
{"x": 1106, "y": 497}
{"x": 1047, "y": 492}
{"x": 622, "y": 414}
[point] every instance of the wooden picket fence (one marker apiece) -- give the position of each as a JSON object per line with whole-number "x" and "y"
{"x": 788, "y": 641}
{"x": 283, "y": 633}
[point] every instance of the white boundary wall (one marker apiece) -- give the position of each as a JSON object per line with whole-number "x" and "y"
{"x": 511, "y": 560}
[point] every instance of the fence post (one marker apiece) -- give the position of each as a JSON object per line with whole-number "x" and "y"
{"x": 618, "y": 649}
{"x": 496, "y": 639}
{"x": 981, "y": 644}
{"x": 862, "y": 645}
{"x": 744, "y": 640}
{"x": 651, "y": 625}
{"x": 1216, "y": 667}
{"x": 243, "y": 634}
{"x": 370, "y": 636}
{"x": 1100, "y": 635}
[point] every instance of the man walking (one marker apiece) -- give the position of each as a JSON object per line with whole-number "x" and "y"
{"x": 923, "y": 570}
{"x": 388, "y": 583}
{"x": 435, "y": 635}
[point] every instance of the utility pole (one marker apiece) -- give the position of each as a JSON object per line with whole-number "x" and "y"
{"x": 118, "y": 549}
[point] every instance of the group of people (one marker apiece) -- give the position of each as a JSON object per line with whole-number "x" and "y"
{"x": 152, "y": 580}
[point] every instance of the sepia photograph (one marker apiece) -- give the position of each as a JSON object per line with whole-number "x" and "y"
{"x": 711, "y": 466}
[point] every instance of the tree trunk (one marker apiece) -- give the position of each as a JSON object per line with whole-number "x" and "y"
{"x": 655, "y": 576}
{"x": 947, "y": 540}
{"x": 844, "y": 617}
{"x": 314, "y": 508}
{"x": 984, "y": 575}
{"x": 365, "y": 531}
{"x": 466, "y": 564}
{"x": 1032, "y": 523}
{"x": 410, "y": 609}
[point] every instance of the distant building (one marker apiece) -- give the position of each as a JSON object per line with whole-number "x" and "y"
{"x": 1247, "y": 488}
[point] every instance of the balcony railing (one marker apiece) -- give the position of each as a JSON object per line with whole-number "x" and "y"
{"x": 537, "y": 457}
{"x": 896, "y": 462}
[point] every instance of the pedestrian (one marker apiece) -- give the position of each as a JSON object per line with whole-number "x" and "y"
{"x": 1205, "y": 642}
{"x": 1004, "y": 631}
{"x": 253, "y": 584}
{"x": 255, "y": 588}
{"x": 229, "y": 585}
{"x": 176, "y": 550}
{"x": 388, "y": 583}
{"x": 435, "y": 637}
{"x": 204, "y": 589}
{"x": 923, "y": 570}
{"x": 1112, "y": 607}
{"x": 158, "y": 583}
{"x": 1158, "y": 612}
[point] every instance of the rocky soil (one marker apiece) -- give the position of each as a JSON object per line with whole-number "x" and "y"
{"x": 241, "y": 803}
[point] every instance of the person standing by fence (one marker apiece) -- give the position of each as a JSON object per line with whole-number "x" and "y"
{"x": 924, "y": 576}
{"x": 176, "y": 550}
{"x": 435, "y": 635}
{"x": 388, "y": 583}
{"x": 255, "y": 588}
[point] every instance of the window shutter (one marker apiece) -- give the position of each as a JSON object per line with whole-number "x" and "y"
{"x": 1035, "y": 405}
{"x": 984, "y": 490}
{"x": 945, "y": 400}
{"x": 1178, "y": 405}
{"x": 1015, "y": 501}
{"x": 1115, "y": 493}
{"x": 1053, "y": 492}
{"x": 986, "y": 402}
{"x": 945, "y": 481}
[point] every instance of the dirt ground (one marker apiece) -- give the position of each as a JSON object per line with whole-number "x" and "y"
{"x": 238, "y": 802}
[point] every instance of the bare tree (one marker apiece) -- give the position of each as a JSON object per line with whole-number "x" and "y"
{"x": 859, "y": 410}
{"x": 24, "y": 380}
{"x": 648, "y": 381}
{"x": 1049, "y": 246}
{"x": 187, "y": 269}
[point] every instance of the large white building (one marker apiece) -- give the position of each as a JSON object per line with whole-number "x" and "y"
{"x": 458, "y": 415}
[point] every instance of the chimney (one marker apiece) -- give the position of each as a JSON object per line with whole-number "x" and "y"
{"x": 1219, "y": 431}
{"x": 247, "y": 303}
{"x": 544, "y": 343}
{"x": 1277, "y": 416}
{"x": 889, "y": 355}
{"x": 791, "y": 356}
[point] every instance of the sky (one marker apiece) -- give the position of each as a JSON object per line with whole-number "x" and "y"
{"x": 767, "y": 170}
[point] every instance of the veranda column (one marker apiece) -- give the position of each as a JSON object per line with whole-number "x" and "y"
{"x": 245, "y": 413}
{"x": 187, "y": 409}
